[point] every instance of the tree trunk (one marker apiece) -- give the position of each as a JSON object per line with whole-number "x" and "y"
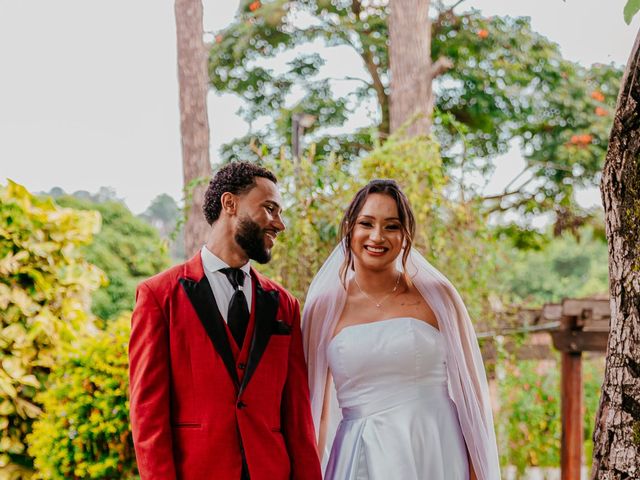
{"x": 410, "y": 65}
{"x": 616, "y": 452}
{"x": 193, "y": 79}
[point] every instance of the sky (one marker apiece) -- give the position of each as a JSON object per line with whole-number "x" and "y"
{"x": 89, "y": 91}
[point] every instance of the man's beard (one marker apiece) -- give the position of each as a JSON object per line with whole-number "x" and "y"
{"x": 250, "y": 237}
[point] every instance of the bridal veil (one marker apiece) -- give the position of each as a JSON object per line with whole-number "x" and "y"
{"x": 466, "y": 374}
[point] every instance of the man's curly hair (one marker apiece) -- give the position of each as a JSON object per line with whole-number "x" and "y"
{"x": 236, "y": 178}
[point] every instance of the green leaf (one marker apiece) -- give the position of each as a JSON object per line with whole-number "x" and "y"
{"x": 630, "y": 9}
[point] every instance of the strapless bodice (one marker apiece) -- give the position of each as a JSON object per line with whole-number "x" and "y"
{"x": 377, "y": 361}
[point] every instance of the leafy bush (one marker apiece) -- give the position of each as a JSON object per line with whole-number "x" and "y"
{"x": 529, "y": 423}
{"x": 127, "y": 249}
{"x": 45, "y": 288}
{"x": 314, "y": 194}
{"x": 84, "y": 430}
{"x": 564, "y": 267}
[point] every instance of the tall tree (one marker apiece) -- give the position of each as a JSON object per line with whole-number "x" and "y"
{"x": 412, "y": 73}
{"x": 410, "y": 62}
{"x": 510, "y": 85}
{"x": 194, "y": 124}
{"x": 616, "y": 452}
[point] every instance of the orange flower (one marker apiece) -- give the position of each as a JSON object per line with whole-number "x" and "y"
{"x": 253, "y": 6}
{"x": 597, "y": 96}
{"x": 218, "y": 38}
{"x": 581, "y": 140}
{"x": 483, "y": 33}
{"x": 601, "y": 112}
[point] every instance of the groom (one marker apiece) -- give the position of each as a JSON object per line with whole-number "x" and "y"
{"x": 218, "y": 379}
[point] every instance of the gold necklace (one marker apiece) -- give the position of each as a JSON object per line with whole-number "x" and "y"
{"x": 378, "y": 304}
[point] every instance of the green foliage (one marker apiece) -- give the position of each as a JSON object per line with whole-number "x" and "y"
{"x": 451, "y": 235}
{"x": 510, "y": 82}
{"x": 45, "y": 288}
{"x": 164, "y": 214}
{"x": 84, "y": 431}
{"x": 530, "y": 412}
{"x": 315, "y": 195}
{"x": 127, "y": 249}
{"x": 630, "y": 9}
{"x": 565, "y": 267}
{"x": 508, "y": 85}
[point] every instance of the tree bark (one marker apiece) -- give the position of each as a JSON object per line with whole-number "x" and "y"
{"x": 410, "y": 65}
{"x": 616, "y": 452}
{"x": 193, "y": 80}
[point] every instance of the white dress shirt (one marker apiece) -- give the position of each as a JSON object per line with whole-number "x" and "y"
{"x": 222, "y": 288}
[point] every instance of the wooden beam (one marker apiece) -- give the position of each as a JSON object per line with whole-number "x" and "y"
{"x": 596, "y": 325}
{"x": 580, "y": 341}
{"x": 575, "y": 307}
{"x": 551, "y": 311}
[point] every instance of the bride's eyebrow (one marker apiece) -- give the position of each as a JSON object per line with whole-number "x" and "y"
{"x": 386, "y": 219}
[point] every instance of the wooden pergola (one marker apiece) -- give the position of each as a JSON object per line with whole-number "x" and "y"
{"x": 575, "y": 326}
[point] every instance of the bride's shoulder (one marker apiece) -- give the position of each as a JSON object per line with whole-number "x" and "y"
{"x": 325, "y": 296}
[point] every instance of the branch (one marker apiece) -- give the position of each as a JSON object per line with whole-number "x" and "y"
{"x": 444, "y": 14}
{"x": 499, "y": 208}
{"x": 440, "y": 66}
{"x": 356, "y": 8}
{"x": 500, "y": 196}
{"x": 516, "y": 178}
{"x": 450, "y": 9}
{"x": 462, "y": 170}
{"x": 253, "y": 146}
{"x": 555, "y": 166}
{"x": 378, "y": 86}
{"x": 363, "y": 146}
{"x": 351, "y": 79}
{"x": 506, "y": 193}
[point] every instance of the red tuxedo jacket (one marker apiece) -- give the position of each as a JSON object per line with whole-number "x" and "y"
{"x": 203, "y": 409}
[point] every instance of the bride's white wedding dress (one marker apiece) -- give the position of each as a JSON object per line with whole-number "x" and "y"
{"x": 398, "y": 420}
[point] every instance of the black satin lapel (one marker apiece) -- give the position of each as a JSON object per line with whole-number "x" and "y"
{"x": 265, "y": 314}
{"x": 204, "y": 303}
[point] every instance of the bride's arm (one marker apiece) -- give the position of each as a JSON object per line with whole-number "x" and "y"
{"x": 324, "y": 417}
{"x": 472, "y": 472}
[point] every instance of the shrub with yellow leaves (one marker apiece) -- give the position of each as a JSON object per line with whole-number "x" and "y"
{"x": 84, "y": 430}
{"x": 45, "y": 290}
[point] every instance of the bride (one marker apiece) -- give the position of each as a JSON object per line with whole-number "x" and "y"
{"x": 398, "y": 388}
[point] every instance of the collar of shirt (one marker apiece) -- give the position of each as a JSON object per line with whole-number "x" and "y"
{"x": 223, "y": 290}
{"x": 213, "y": 263}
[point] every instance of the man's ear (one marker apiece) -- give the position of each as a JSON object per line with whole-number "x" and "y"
{"x": 229, "y": 203}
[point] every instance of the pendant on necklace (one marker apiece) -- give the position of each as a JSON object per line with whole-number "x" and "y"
{"x": 377, "y": 305}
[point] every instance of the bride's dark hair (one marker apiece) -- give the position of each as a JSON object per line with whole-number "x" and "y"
{"x": 407, "y": 221}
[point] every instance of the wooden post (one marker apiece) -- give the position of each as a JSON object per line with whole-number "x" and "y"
{"x": 583, "y": 328}
{"x": 572, "y": 421}
{"x": 579, "y": 325}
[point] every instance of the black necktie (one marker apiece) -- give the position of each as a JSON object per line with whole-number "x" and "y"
{"x": 238, "y": 312}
